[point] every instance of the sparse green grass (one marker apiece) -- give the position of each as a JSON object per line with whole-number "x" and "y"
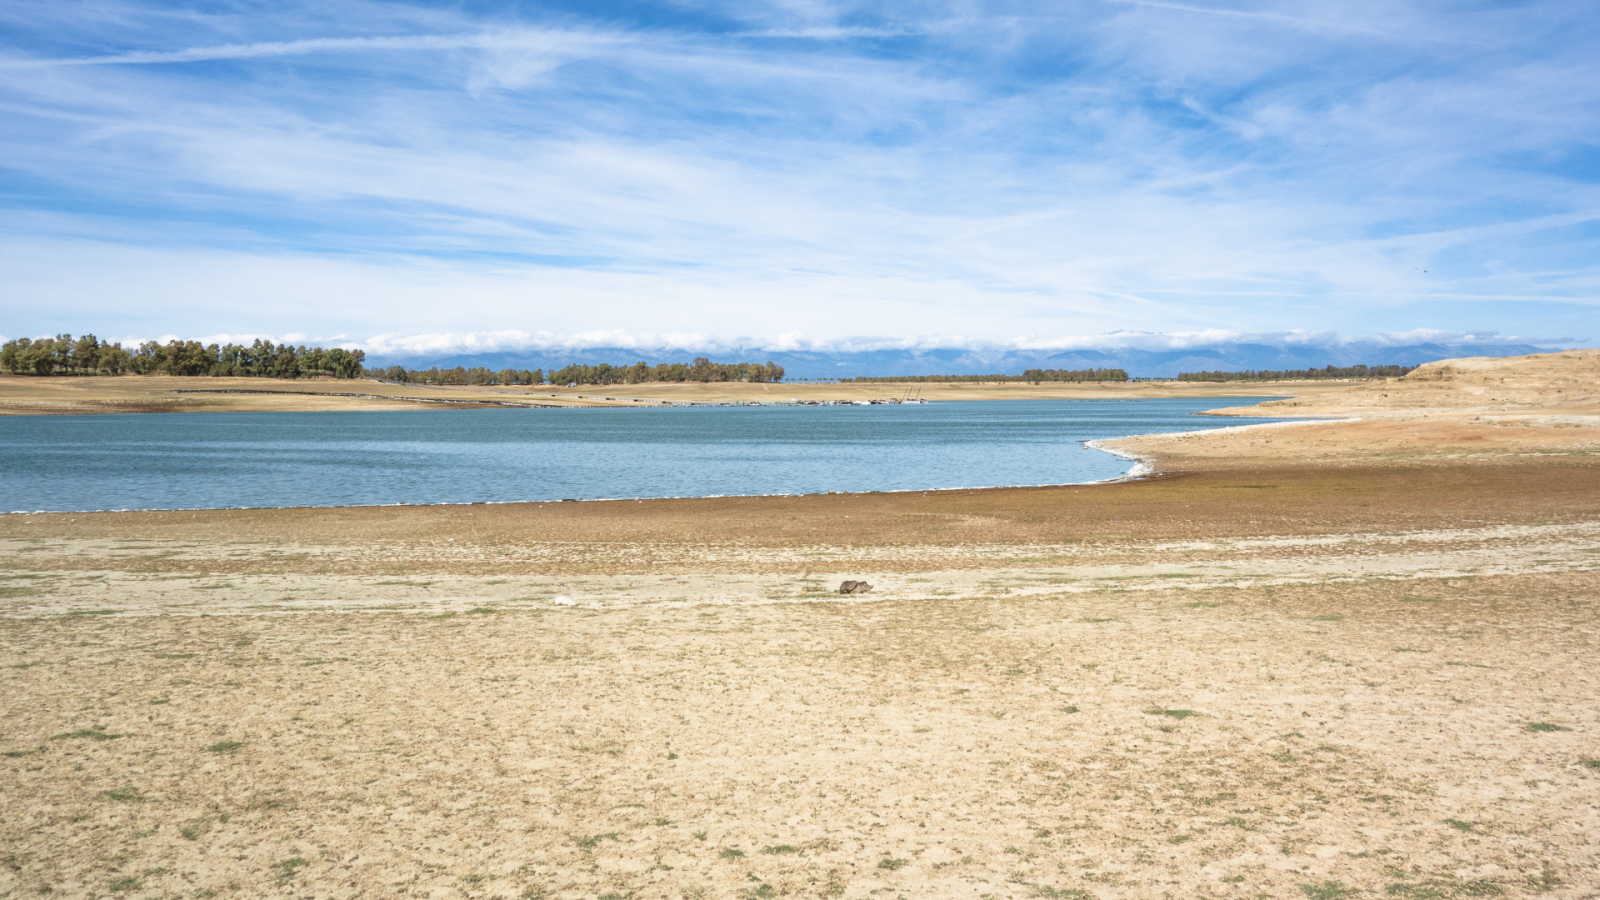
{"x": 1069, "y": 709}
{"x": 1179, "y": 714}
{"x": 891, "y": 863}
{"x": 225, "y": 747}
{"x": 131, "y": 883}
{"x": 777, "y": 849}
{"x": 1546, "y": 727}
{"x": 1201, "y": 604}
{"x": 123, "y": 795}
{"x": 592, "y": 841}
{"x": 1544, "y": 882}
{"x": 1414, "y": 891}
{"x": 1328, "y": 618}
{"x": 1044, "y": 890}
{"x": 730, "y": 853}
{"x": 1460, "y": 825}
{"x": 1328, "y": 890}
{"x": 1586, "y": 763}
{"x": 93, "y": 734}
{"x": 1412, "y": 598}
{"x": 287, "y": 868}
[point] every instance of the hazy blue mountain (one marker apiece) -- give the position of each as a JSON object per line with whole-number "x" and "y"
{"x": 996, "y": 360}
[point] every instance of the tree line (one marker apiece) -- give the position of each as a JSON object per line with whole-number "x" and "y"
{"x": 1299, "y": 374}
{"x": 1032, "y": 376}
{"x": 477, "y": 375}
{"x": 89, "y": 355}
{"x": 641, "y": 372}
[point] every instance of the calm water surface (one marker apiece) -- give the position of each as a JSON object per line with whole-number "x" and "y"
{"x": 208, "y": 460}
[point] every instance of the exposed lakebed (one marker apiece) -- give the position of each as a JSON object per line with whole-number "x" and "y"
{"x": 218, "y": 460}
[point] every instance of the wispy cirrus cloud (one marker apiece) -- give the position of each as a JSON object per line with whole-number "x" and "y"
{"x": 516, "y": 40}
{"x": 367, "y": 168}
{"x": 1261, "y": 16}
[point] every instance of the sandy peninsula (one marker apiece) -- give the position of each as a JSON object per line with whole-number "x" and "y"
{"x": 1342, "y": 658}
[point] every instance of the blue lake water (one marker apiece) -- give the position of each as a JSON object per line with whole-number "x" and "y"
{"x": 211, "y": 460}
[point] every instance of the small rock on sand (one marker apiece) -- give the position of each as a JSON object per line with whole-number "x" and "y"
{"x": 854, "y": 587}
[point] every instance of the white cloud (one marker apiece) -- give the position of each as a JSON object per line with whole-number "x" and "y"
{"x": 524, "y": 41}
{"x": 1178, "y": 174}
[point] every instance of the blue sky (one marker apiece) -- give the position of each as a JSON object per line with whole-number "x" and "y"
{"x": 804, "y": 171}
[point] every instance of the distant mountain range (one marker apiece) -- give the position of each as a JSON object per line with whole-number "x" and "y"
{"x": 1139, "y": 363}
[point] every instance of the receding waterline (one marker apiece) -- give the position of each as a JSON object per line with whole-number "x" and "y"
{"x": 425, "y": 457}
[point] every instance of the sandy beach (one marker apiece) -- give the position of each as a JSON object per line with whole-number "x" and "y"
{"x": 1338, "y": 658}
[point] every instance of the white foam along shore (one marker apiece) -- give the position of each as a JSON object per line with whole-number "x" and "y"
{"x": 1144, "y": 465}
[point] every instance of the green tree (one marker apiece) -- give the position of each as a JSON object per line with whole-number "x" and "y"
{"x": 86, "y": 353}
{"x": 112, "y": 359}
{"x": 39, "y": 357}
{"x": 11, "y": 354}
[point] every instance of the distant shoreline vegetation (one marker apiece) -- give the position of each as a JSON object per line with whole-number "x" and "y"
{"x": 262, "y": 359}
{"x": 641, "y": 372}
{"x": 1300, "y": 374}
{"x": 88, "y": 355}
{"x": 1036, "y": 376}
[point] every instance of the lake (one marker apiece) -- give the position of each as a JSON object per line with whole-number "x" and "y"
{"x": 213, "y": 460}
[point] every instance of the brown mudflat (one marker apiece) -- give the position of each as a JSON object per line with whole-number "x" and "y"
{"x": 1332, "y": 659}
